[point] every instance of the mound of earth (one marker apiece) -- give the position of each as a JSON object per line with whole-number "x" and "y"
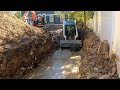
{"x": 96, "y": 63}
{"x": 22, "y": 46}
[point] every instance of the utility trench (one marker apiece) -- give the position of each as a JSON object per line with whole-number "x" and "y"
{"x": 28, "y": 52}
{"x": 63, "y": 64}
{"x": 92, "y": 61}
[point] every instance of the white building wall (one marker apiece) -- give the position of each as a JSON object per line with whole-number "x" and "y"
{"x": 99, "y": 27}
{"x": 95, "y": 22}
{"x": 115, "y": 32}
{"x": 108, "y": 28}
{"x": 116, "y": 40}
{"x": 118, "y": 47}
{"x": 104, "y": 25}
{"x": 90, "y": 24}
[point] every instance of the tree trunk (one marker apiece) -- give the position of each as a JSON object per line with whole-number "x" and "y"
{"x": 84, "y": 20}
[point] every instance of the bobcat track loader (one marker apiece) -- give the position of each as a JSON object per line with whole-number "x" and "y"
{"x": 70, "y": 35}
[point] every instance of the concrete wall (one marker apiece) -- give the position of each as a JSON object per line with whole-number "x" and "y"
{"x": 90, "y": 24}
{"x": 116, "y": 34}
{"x": 95, "y": 22}
{"x": 107, "y": 27}
{"x": 104, "y": 25}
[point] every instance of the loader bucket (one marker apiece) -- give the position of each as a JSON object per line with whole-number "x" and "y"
{"x": 72, "y": 44}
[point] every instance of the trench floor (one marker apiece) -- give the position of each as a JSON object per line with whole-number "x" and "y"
{"x": 63, "y": 64}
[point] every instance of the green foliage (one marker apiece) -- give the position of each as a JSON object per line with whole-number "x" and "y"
{"x": 79, "y": 15}
{"x": 17, "y": 14}
{"x": 69, "y": 28}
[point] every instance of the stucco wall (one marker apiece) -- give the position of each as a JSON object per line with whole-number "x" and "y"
{"x": 107, "y": 27}
{"x": 104, "y": 26}
{"x": 116, "y": 47}
{"x": 95, "y": 22}
{"x": 90, "y": 24}
{"x": 116, "y": 44}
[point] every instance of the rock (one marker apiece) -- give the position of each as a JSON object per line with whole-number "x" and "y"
{"x": 113, "y": 71}
{"x": 92, "y": 76}
{"x": 105, "y": 76}
{"x": 96, "y": 69}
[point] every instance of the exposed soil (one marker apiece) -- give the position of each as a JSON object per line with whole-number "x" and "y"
{"x": 91, "y": 62}
{"x": 96, "y": 63}
{"x": 22, "y": 47}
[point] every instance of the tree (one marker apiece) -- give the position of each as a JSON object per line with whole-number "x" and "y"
{"x": 66, "y": 13}
{"x": 85, "y": 20}
{"x": 17, "y": 14}
{"x": 78, "y": 15}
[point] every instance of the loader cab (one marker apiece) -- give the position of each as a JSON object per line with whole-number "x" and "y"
{"x": 69, "y": 29}
{"x": 70, "y": 34}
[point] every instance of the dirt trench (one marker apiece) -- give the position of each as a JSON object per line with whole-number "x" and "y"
{"x": 60, "y": 65}
{"x": 23, "y": 48}
{"x": 91, "y": 62}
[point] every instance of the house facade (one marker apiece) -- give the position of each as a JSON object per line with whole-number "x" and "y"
{"x": 50, "y": 17}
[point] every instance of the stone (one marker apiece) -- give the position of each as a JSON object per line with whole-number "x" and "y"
{"x": 96, "y": 69}
{"x": 113, "y": 71}
{"x": 106, "y": 76}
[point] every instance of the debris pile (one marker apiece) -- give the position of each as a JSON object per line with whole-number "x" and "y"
{"x": 96, "y": 63}
{"x": 22, "y": 47}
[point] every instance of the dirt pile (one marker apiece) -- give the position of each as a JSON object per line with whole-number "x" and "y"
{"x": 22, "y": 47}
{"x": 96, "y": 63}
{"x": 57, "y": 36}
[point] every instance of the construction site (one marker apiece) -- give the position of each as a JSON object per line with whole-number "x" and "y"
{"x": 49, "y": 45}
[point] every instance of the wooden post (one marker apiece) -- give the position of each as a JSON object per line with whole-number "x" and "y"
{"x": 84, "y": 20}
